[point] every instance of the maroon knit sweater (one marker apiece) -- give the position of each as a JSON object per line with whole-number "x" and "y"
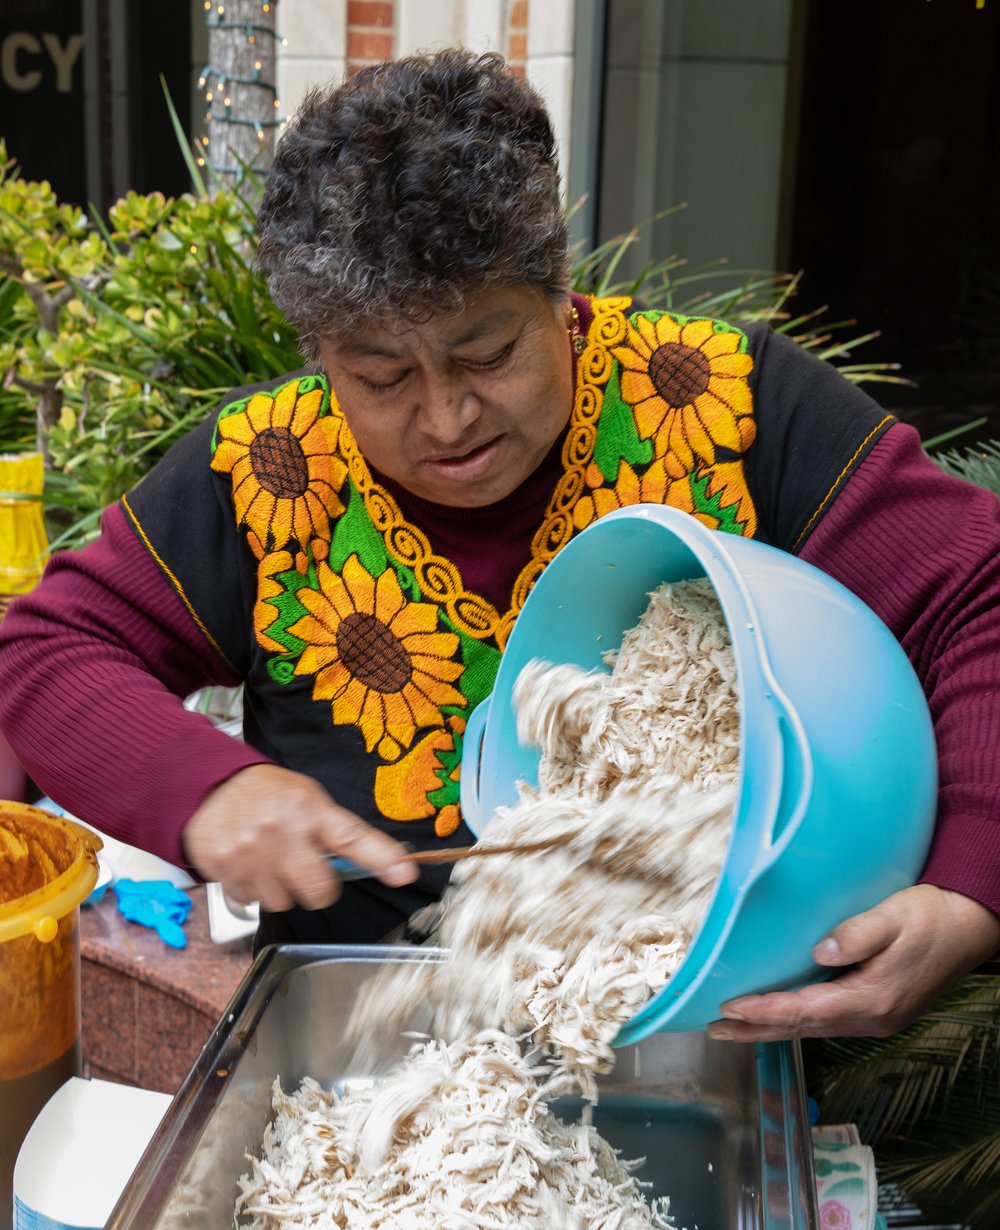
{"x": 134, "y": 762}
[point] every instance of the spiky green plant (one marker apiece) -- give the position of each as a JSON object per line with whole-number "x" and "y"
{"x": 928, "y": 1101}
{"x": 118, "y": 335}
{"x": 979, "y": 464}
{"x": 742, "y": 297}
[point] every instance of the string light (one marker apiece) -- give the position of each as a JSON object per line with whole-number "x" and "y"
{"x": 220, "y": 88}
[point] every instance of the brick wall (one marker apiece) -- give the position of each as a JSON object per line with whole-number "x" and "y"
{"x": 517, "y": 37}
{"x": 370, "y": 26}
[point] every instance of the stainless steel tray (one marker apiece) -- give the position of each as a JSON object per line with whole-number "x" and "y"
{"x": 722, "y": 1125}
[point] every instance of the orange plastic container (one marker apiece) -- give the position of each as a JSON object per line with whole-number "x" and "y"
{"x": 48, "y": 865}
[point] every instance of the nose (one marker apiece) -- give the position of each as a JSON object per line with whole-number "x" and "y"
{"x": 448, "y": 408}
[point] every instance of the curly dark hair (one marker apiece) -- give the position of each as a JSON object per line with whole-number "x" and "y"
{"x": 410, "y": 186}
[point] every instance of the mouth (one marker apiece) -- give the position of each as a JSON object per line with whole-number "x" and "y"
{"x": 471, "y": 459}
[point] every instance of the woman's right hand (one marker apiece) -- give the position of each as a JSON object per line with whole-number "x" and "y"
{"x": 266, "y": 833}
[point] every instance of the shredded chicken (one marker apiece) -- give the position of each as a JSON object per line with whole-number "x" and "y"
{"x": 637, "y": 781}
{"x": 551, "y": 953}
{"x": 458, "y": 1137}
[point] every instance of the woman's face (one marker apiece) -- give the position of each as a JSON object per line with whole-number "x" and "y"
{"x": 460, "y": 409}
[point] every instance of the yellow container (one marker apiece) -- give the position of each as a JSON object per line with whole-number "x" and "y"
{"x": 48, "y": 865}
{"x": 23, "y": 541}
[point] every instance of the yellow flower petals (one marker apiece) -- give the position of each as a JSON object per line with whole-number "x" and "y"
{"x": 720, "y": 343}
{"x": 736, "y": 364}
{"x": 401, "y": 789}
{"x": 259, "y": 411}
{"x": 637, "y": 387}
{"x": 361, "y": 585}
{"x": 448, "y": 820}
{"x": 237, "y": 429}
{"x": 305, "y": 415}
{"x": 697, "y": 332}
{"x": 632, "y": 359}
{"x": 717, "y": 421}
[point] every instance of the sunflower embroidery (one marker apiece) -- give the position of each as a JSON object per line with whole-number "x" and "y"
{"x": 425, "y": 782}
{"x": 380, "y": 659}
{"x": 687, "y": 383}
{"x": 652, "y": 486}
{"x": 281, "y": 454}
{"x": 354, "y": 600}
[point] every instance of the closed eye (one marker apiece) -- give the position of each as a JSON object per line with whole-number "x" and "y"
{"x": 494, "y": 360}
{"x": 382, "y": 386}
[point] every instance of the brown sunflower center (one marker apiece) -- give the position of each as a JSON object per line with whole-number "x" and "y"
{"x": 373, "y": 654}
{"x": 680, "y": 373}
{"x": 279, "y": 464}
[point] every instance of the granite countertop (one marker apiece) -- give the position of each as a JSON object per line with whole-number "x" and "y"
{"x": 147, "y": 1009}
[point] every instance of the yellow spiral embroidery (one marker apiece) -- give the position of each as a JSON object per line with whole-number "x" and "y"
{"x": 438, "y": 578}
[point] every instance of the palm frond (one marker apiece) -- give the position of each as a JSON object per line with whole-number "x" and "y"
{"x": 887, "y": 1085}
{"x": 928, "y": 1101}
{"x": 747, "y": 296}
{"x": 948, "y": 1209}
{"x": 979, "y": 464}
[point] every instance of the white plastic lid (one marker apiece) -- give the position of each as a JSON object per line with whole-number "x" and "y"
{"x": 82, "y": 1148}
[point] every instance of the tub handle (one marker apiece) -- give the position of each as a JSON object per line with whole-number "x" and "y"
{"x": 472, "y": 747}
{"x": 794, "y": 770}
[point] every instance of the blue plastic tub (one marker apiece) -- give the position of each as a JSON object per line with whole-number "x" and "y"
{"x": 838, "y": 767}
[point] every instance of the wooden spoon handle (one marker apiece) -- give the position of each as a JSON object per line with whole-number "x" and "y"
{"x": 454, "y": 853}
{"x": 351, "y": 871}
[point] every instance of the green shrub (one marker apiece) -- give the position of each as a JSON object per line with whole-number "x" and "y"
{"x": 117, "y": 337}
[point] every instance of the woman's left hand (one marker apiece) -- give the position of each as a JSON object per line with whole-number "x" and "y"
{"x": 903, "y": 955}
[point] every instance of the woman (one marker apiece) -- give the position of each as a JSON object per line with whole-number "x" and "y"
{"x": 353, "y": 542}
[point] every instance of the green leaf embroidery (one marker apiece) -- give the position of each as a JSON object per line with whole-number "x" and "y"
{"x": 482, "y": 661}
{"x": 289, "y": 609}
{"x": 354, "y": 534}
{"x": 281, "y": 670}
{"x": 316, "y": 381}
{"x": 617, "y": 436}
{"x": 448, "y": 762}
{"x": 712, "y": 506}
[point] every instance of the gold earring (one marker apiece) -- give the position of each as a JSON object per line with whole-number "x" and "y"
{"x": 576, "y": 333}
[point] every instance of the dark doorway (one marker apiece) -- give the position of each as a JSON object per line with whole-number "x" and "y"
{"x": 896, "y": 214}
{"x": 42, "y": 92}
{"x": 81, "y": 99}
{"x": 160, "y": 46}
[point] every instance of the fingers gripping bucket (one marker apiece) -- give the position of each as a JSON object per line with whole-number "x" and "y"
{"x": 838, "y": 768}
{"x": 48, "y": 865}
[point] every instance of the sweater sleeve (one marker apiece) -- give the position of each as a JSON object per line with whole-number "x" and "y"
{"x": 94, "y": 666}
{"x": 922, "y": 548}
